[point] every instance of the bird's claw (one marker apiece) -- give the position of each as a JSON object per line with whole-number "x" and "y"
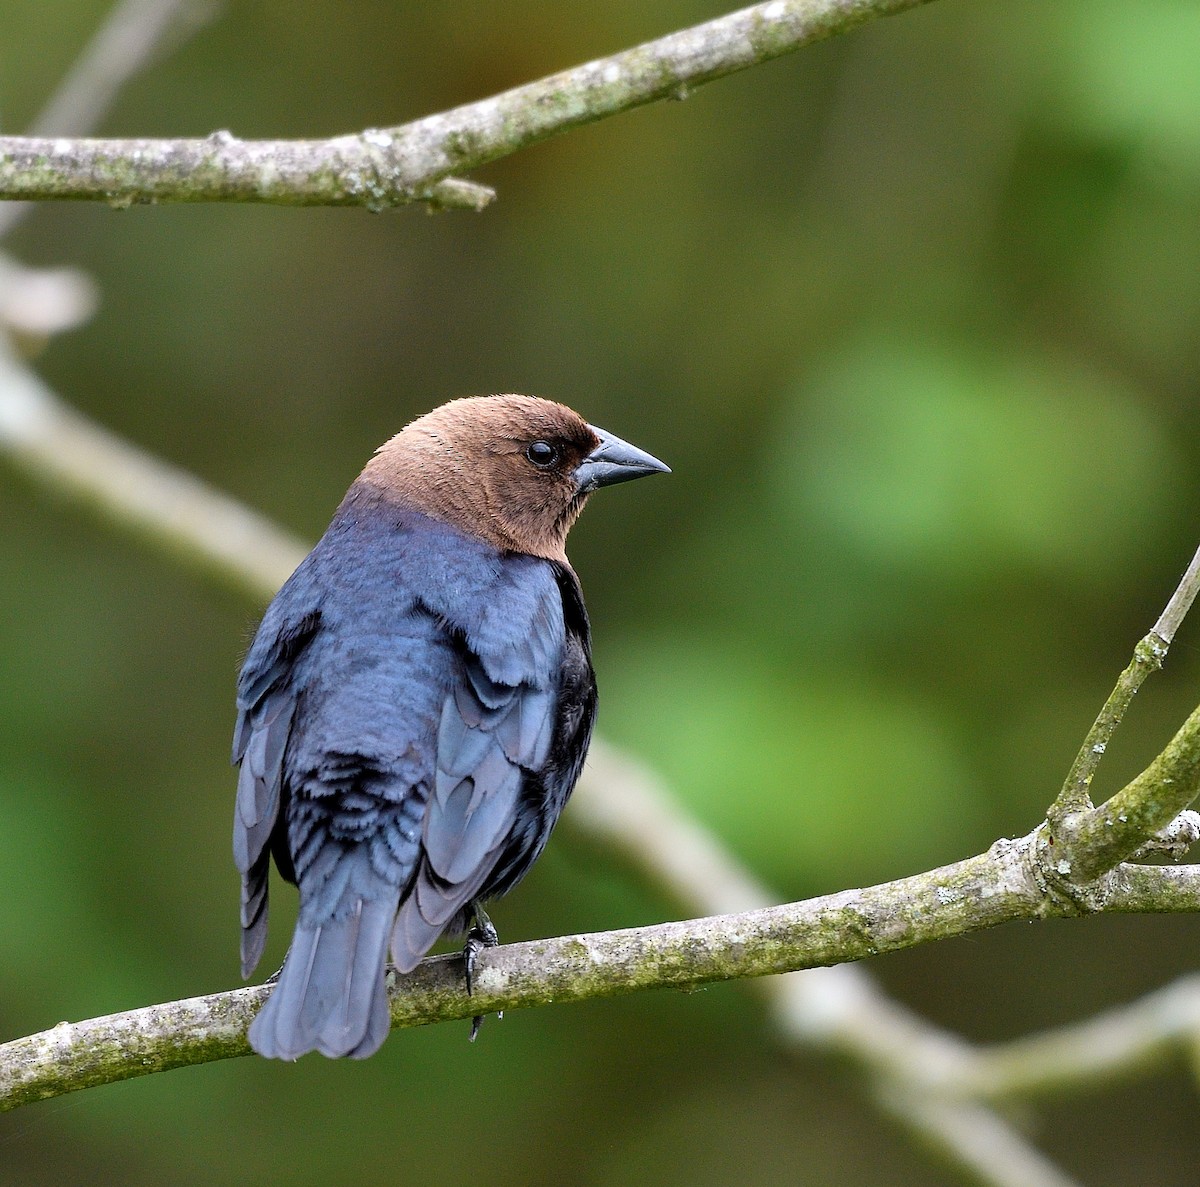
{"x": 477, "y": 1022}
{"x": 482, "y": 935}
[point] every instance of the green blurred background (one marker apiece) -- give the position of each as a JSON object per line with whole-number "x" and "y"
{"x": 913, "y": 315}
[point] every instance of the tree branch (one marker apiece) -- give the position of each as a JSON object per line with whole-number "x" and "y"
{"x": 1075, "y": 795}
{"x": 975, "y": 1138}
{"x": 912, "y": 1068}
{"x": 1092, "y": 842}
{"x": 993, "y": 887}
{"x": 1079, "y": 842}
{"x": 1148, "y": 657}
{"x": 381, "y": 168}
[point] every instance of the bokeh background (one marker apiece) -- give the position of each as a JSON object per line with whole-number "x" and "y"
{"x": 915, "y": 317}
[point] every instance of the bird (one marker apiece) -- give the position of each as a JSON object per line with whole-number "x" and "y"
{"x": 416, "y": 707}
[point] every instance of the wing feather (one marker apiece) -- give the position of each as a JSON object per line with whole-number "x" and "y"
{"x": 494, "y": 733}
{"x": 266, "y": 713}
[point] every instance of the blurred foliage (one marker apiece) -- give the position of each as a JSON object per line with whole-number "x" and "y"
{"x": 914, "y": 315}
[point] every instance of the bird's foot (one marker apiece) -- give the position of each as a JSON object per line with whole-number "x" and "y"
{"x": 482, "y": 935}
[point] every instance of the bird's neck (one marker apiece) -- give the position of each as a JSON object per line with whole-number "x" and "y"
{"x": 428, "y": 476}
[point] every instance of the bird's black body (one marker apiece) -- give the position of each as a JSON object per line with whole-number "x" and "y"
{"x": 413, "y": 714}
{"x": 416, "y": 706}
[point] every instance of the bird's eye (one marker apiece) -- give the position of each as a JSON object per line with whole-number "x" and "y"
{"x": 542, "y": 454}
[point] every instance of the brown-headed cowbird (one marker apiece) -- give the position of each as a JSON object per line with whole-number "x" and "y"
{"x": 416, "y": 707}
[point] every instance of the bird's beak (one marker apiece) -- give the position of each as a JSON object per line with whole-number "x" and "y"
{"x": 612, "y": 461}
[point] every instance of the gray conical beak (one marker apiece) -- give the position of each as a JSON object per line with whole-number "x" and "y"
{"x": 613, "y": 461}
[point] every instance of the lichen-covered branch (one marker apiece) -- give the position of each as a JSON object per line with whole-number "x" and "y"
{"x": 838, "y": 1010}
{"x": 1092, "y": 842}
{"x": 1075, "y": 795}
{"x": 1079, "y": 842}
{"x": 1148, "y": 657}
{"x": 379, "y": 168}
{"x": 991, "y": 888}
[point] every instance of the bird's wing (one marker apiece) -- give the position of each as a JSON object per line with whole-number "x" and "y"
{"x": 496, "y": 727}
{"x": 266, "y": 708}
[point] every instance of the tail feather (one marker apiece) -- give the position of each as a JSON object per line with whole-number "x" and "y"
{"x": 331, "y": 995}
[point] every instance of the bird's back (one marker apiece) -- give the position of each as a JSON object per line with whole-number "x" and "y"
{"x": 437, "y": 702}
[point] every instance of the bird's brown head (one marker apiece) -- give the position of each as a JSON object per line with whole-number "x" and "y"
{"x": 515, "y": 470}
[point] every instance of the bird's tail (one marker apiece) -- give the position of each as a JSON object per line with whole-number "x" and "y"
{"x": 331, "y": 995}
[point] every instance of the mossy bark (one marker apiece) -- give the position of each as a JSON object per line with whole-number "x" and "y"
{"x": 386, "y": 167}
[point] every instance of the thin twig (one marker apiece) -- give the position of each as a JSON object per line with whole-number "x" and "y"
{"x": 1075, "y": 794}
{"x": 1180, "y": 603}
{"x": 135, "y": 33}
{"x": 380, "y": 168}
{"x": 976, "y": 1139}
{"x": 1148, "y": 657}
{"x": 1080, "y": 842}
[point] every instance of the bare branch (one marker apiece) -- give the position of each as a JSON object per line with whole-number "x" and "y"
{"x": 1093, "y": 842}
{"x": 838, "y": 1009}
{"x": 975, "y": 1138}
{"x": 1075, "y": 796}
{"x": 134, "y": 35}
{"x": 1180, "y": 603}
{"x": 380, "y": 168}
{"x": 36, "y": 303}
{"x": 1082, "y": 842}
{"x": 970, "y": 895}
